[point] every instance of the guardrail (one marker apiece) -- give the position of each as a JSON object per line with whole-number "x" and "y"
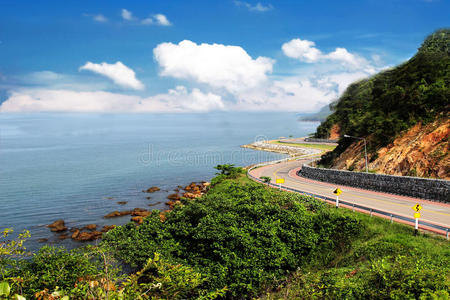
{"x": 351, "y": 204}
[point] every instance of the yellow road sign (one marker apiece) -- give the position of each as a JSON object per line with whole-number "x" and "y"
{"x": 416, "y": 215}
{"x": 337, "y": 191}
{"x": 417, "y": 207}
{"x": 280, "y": 180}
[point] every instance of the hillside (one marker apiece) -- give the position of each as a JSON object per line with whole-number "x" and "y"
{"x": 402, "y": 112}
{"x": 321, "y": 115}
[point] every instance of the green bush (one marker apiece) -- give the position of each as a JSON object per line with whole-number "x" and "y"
{"x": 53, "y": 267}
{"x": 239, "y": 236}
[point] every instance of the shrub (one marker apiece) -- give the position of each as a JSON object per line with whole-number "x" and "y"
{"x": 239, "y": 236}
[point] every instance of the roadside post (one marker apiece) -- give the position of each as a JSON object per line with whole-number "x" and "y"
{"x": 279, "y": 181}
{"x": 416, "y": 208}
{"x": 337, "y": 192}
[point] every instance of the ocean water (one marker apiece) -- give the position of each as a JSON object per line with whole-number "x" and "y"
{"x": 77, "y": 167}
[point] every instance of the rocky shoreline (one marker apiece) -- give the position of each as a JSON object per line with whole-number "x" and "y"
{"x": 91, "y": 232}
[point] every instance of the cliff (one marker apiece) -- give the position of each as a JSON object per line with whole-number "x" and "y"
{"x": 422, "y": 151}
{"x": 403, "y": 113}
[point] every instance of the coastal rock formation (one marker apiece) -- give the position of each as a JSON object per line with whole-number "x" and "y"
{"x": 117, "y": 214}
{"x": 174, "y": 197}
{"x": 107, "y": 228}
{"x": 152, "y": 189}
{"x": 421, "y": 151}
{"x": 90, "y": 227}
{"x": 57, "y": 226}
{"x": 138, "y": 219}
{"x": 122, "y": 202}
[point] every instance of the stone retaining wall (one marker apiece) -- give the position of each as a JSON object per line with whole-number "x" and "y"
{"x": 424, "y": 188}
{"x": 314, "y": 140}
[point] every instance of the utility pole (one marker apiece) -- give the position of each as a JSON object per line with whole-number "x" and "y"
{"x": 365, "y": 147}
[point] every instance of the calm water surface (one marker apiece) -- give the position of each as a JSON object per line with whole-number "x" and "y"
{"x": 69, "y": 166}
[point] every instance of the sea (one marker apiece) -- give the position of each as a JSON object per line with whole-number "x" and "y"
{"x": 76, "y": 167}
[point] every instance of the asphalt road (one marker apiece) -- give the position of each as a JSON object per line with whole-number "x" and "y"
{"x": 433, "y": 212}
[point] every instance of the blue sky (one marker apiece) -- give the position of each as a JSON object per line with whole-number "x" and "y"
{"x": 128, "y": 56}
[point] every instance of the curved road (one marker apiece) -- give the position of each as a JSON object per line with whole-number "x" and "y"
{"x": 432, "y": 212}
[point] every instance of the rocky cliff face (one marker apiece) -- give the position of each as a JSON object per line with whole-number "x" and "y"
{"x": 422, "y": 151}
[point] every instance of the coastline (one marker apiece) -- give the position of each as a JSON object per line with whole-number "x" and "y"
{"x": 274, "y": 146}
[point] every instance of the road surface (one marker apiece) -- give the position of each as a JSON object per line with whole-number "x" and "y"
{"x": 432, "y": 212}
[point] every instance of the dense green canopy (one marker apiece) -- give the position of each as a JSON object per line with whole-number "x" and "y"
{"x": 394, "y": 100}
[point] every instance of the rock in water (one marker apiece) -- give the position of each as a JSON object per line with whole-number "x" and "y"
{"x": 57, "y": 226}
{"x": 152, "y": 189}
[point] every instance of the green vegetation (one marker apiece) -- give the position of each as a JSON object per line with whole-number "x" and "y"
{"x": 265, "y": 179}
{"x": 307, "y": 145}
{"x": 394, "y": 100}
{"x": 240, "y": 240}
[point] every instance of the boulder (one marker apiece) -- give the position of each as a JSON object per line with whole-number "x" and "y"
{"x": 152, "y": 189}
{"x": 162, "y": 217}
{"x": 117, "y": 214}
{"x": 43, "y": 240}
{"x": 88, "y": 236}
{"x": 174, "y": 197}
{"x": 58, "y": 226}
{"x": 90, "y": 227}
{"x": 141, "y": 212}
{"x": 122, "y": 202}
{"x": 138, "y": 219}
{"x": 75, "y": 234}
{"x": 107, "y": 228}
{"x": 191, "y": 195}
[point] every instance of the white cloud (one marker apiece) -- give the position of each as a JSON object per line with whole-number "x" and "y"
{"x": 127, "y": 15}
{"x": 306, "y": 51}
{"x": 257, "y": 7}
{"x": 98, "y": 18}
{"x": 158, "y": 19}
{"x": 162, "y": 20}
{"x": 302, "y": 50}
{"x": 217, "y": 65}
{"x": 118, "y": 72}
{"x": 44, "y": 100}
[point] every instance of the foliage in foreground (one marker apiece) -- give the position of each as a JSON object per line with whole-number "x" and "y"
{"x": 238, "y": 241}
{"x": 242, "y": 237}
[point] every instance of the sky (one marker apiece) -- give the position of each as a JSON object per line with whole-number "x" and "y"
{"x": 200, "y": 56}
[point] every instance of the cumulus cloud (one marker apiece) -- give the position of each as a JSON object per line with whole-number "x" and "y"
{"x": 158, "y": 19}
{"x": 127, "y": 15}
{"x": 302, "y": 50}
{"x": 45, "y": 100}
{"x": 118, "y": 73}
{"x": 257, "y": 7}
{"x": 217, "y": 65}
{"x": 306, "y": 51}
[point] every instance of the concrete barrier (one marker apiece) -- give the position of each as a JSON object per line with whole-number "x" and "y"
{"x": 315, "y": 140}
{"x": 424, "y": 188}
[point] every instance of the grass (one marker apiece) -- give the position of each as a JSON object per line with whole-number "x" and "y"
{"x": 305, "y": 145}
{"x": 386, "y": 257}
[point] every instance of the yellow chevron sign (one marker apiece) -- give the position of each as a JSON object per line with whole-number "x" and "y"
{"x": 417, "y": 207}
{"x": 337, "y": 191}
{"x": 280, "y": 180}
